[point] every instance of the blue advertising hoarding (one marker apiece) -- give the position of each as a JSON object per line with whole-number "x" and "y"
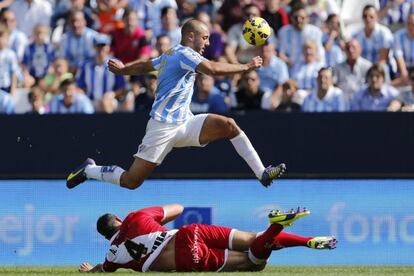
{"x": 43, "y": 223}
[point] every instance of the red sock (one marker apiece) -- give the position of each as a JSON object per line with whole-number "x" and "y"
{"x": 261, "y": 247}
{"x": 285, "y": 239}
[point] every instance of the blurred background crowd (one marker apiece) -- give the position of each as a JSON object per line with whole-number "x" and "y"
{"x": 323, "y": 55}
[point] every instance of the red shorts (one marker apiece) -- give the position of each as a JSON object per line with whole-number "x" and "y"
{"x": 200, "y": 247}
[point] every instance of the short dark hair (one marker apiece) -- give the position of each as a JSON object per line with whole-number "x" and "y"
{"x": 367, "y": 7}
{"x": 105, "y": 225}
{"x": 66, "y": 83}
{"x": 376, "y": 69}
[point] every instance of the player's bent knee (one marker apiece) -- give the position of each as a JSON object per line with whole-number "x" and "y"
{"x": 130, "y": 182}
{"x": 232, "y": 128}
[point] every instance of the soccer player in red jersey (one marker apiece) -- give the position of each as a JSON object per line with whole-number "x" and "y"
{"x": 142, "y": 243}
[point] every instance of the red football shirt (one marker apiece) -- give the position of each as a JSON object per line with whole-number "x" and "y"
{"x": 129, "y": 47}
{"x": 139, "y": 241}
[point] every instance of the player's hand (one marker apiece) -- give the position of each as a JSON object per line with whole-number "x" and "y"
{"x": 115, "y": 66}
{"x": 255, "y": 63}
{"x": 85, "y": 267}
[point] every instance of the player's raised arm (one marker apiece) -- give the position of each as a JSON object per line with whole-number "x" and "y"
{"x": 133, "y": 68}
{"x": 171, "y": 212}
{"x": 214, "y": 68}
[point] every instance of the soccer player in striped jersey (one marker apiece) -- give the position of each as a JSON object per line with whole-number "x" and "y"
{"x": 141, "y": 242}
{"x": 172, "y": 124}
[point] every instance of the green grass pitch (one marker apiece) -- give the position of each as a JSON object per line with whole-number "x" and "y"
{"x": 271, "y": 270}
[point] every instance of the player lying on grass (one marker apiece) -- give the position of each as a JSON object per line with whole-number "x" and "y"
{"x": 172, "y": 125}
{"x": 142, "y": 243}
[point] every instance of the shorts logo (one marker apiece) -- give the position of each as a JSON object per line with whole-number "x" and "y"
{"x": 142, "y": 148}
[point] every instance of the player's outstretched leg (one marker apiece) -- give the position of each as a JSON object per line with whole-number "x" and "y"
{"x": 217, "y": 127}
{"x": 113, "y": 174}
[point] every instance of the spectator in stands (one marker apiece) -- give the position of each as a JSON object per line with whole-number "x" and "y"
{"x": 225, "y": 85}
{"x": 231, "y": 13}
{"x": 39, "y": 54}
{"x": 288, "y": 103}
{"x": 206, "y": 97}
{"x": 250, "y": 96}
{"x": 293, "y": 36}
{"x": 109, "y": 14}
{"x": 326, "y": 97}
{"x": 319, "y": 10}
{"x": 170, "y": 25}
{"x": 9, "y": 67}
{"x": 237, "y": 49}
{"x": 216, "y": 47}
{"x": 36, "y": 99}
{"x": 394, "y": 13}
{"x": 274, "y": 71}
{"x": 30, "y": 13}
{"x": 149, "y": 14}
{"x": 144, "y": 100}
{"x": 305, "y": 73}
{"x": 70, "y": 100}
{"x": 376, "y": 40}
{"x": 377, "y": 95}
{"x": 58, "y": 72}
{"x": 17, "y": 40}
{"x": 275, "y": 15}
{"x": 77, "y": 44}
{"x": 405, "y": 100}
{"x": 130, "y": 42}
{"x": 99, "y": 84}
{"x": 63, "y": 11}
{"x": 162, "y": 44}
{"x": 6, "y": 103}
{"x": 333, "y": 41}
{"x": 404, "y": 51}
{"x": 350, "y": 75}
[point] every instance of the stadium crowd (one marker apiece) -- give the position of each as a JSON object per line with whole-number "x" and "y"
{"x": 323, "y": 55}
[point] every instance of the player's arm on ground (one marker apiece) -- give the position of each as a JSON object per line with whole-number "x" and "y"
{"x": 214, "y": 68}
{"x": 133, "y": 68}
{"x": 87, "y": 267}
{"x": 171, "y": 212}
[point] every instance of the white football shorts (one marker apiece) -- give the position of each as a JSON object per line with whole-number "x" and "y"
{"x": 160, "y": 138}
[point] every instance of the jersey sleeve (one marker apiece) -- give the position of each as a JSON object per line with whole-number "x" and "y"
{"x": 190, "y": 60}
{"x": 157, "y": 213}
{"x": 156, "y": 62}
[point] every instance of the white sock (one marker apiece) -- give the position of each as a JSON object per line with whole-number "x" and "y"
{"x": 245, "y": 149}
{"x": 111, "y": 174}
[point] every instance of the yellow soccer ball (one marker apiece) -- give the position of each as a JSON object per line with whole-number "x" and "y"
{"x": 256, "y": 31}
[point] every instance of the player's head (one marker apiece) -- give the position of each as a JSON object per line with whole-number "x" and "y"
{"x": 195, "y": 34}
{"x": 107, "y": 225}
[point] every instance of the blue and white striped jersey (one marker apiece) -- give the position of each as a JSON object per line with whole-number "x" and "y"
{"x": 176, "y": 75}
{"x": 81, "y": 104}
{"x": 18, "y": 42}
{"x": 379, "y": 39}
{"x": 8, "y": 66}
{"x": 398, "y": 13}
{"x": 404, "y": 47}
{"x": 38, "y": 58}
{"x": 273, "y": 74}
{"x": 334, "y": 101}
{"x": 78, "y": 49}
{"x": 96, "y": 80}
{"x": 291, "y": 42}
{"x": 6, "y": 103}
{"x": 305, "y": 74}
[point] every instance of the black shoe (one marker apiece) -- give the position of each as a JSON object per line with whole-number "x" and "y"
{"x": 78, "y": 176}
